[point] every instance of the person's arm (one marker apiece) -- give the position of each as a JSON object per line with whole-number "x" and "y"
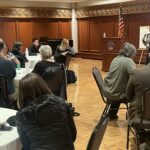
{"x": 71, "y": 51}
{"x": 130, "y": 88}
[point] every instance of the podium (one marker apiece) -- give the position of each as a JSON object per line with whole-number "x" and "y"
{"x": 111, "y": 47}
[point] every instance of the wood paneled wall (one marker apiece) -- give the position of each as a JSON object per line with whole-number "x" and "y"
{"x": 24, "y": 30}
{"x": 90, "y": 32}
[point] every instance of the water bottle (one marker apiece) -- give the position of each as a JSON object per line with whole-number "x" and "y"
{"x": 26, "y": 53}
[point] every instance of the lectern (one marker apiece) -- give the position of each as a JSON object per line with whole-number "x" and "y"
{"x": 111, "y": 47}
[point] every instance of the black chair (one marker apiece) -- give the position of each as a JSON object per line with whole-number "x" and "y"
{"x": 55, "y": 77}
{"x": 4, "y": 100}
{"x": 99, "y": 81}
{"x": 98, "y": 133}
{"x": 142, "y": 124}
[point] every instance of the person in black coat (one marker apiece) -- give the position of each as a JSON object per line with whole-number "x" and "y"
{"x": 34, "y": 48}
{"x": 16, "y": 50}
{"x": 44, "y": 121}
{"x": 62, "y": 51}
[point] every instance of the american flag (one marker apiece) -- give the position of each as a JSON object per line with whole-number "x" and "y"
{"x": 121, "y": 29}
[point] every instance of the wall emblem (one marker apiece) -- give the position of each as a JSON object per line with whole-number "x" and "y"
{"x": 110, "y": 45}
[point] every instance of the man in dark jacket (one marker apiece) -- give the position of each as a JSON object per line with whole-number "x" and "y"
{"x": 34, "y": 48}
{"x": 7, "y": 68}
{"x": 139, "y": 81}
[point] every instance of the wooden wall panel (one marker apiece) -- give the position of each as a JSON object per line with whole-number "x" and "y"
{"x": 65, "y": 29}
{"x": 40, "y": 29}
{"x": 83, "y": 35}
{"x": 25, "y": 31}
{"x": 94, "y": 35}
{"x": 133, "y": 32}
{"x": 53, "y": 30}
{"x": 9, "y": 32}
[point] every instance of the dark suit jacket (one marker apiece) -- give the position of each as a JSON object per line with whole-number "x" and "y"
{"x": 138, "y": 82}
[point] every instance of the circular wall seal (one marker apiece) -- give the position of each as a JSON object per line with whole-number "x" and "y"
{"x": 110, "y": 45}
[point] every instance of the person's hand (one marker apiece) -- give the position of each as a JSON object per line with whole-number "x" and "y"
{"x": 64, "y": 53}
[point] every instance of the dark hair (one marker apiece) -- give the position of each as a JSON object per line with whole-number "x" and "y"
{"x": 30, "y": 87}
{"x": 17, "y": 46}
{"x": 34, "y": 39}
{"x": 1, "y": 45}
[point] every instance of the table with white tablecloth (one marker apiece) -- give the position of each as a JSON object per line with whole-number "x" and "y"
{"x": 9, "y": 140}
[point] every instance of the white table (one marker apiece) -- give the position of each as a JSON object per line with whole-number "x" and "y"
{"x": 20, "y": 73}
{"x": 9, "y": 140}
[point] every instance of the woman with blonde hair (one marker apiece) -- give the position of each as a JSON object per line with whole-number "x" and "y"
{"x": 62, "y": 51}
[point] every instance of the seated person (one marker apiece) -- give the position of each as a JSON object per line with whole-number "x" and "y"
{"x": 62, "y": 51}
{"x": 10, "y": 56}
{"x": 9, "y": 71}
{"x": 50, "y": 72}
{"x": 43, "y": 121}
{"x": 34, "y": 48}
{"x": 115, "y": 82}
{"x": 138, "y": 82}
{"x": 16, "y": 50}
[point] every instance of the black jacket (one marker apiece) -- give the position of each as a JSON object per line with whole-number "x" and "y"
{"x": 46, "y": 125}
{"x": 59, "y": 58}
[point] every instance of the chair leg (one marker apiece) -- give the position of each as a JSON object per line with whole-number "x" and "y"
{"x": 137, "y": 140}
{"x": 128, "y": 134}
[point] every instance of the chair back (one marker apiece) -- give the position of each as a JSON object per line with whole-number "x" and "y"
{"x": 55, "y": 77}
{"x": 4, "y": 100}
{"x": 98, "y": 134}
{"x": 146, "y": 104}
{"x": 99, "y": 81}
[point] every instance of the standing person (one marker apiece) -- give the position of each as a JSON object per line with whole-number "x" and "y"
{"x": 34, "y": 48}
{"x": 7, "y": 68}
{"x": 62, "y": 51}
{"x": 115, "y": 82}
{"x": 146, "y": 42}
{"x": 139, "y": 81}
{"x": 43, "y": 121}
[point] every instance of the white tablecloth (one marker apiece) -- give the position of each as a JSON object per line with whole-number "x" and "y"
{"x": 9, "y": 140}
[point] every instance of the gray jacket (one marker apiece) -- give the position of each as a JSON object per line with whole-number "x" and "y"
{"x": 115, "y": 82}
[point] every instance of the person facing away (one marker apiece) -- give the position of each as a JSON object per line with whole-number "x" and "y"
{"x": 43, "y": 121}
{"x": 16, "y": 50}
{"x": 34, "y": 48}
{"x": 139, "y": 81}
{"x": 51, "y": 72}
{"x": 7, "y": 68}
{"x": 115, "y": 82}
{"x": 62, "y": 51}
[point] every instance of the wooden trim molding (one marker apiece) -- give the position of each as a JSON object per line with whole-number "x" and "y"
{"x": 34, "y": 13}
{"x": 111, "y": 11}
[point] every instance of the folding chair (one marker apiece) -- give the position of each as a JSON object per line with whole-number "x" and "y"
{"x": 99, "y": 81}
{"x": 141, "y": 124}
{"x": 4, "y": 100}
{"x": 55, "y": 77}
{"x": 98, "y": 133}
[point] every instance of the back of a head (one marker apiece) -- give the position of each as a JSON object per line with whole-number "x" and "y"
{"x": 128, "y": 50}
{"x": 17, "y": 46}
{"x": 45, "y": 51}
{"x": 30, "y": 87}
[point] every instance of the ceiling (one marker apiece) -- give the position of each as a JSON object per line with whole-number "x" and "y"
{"x": 62, "y": 3}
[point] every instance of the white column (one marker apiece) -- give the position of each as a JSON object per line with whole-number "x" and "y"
{"x": 74, "y": 29}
